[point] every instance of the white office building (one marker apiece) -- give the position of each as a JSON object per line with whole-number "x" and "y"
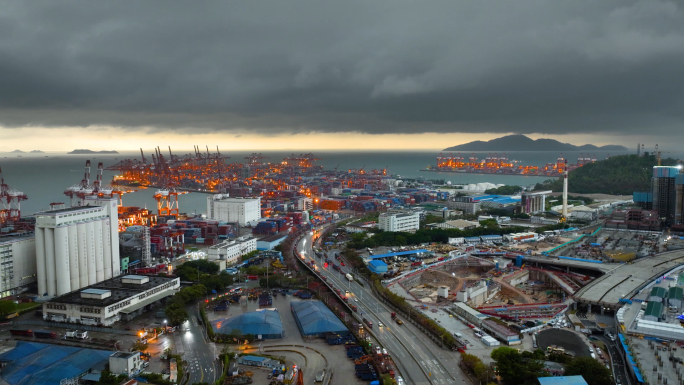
{"x": 127, "y": 363}
{"x": 17, "y": 264}
{"x": 231, "y": 250}
{"x": 77, "y": 246}
{"x": 223, "y": 208}
{"x": 399, "y": 222}
{"x": 120, "y": 298}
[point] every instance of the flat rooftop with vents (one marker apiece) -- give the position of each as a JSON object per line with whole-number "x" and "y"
{"x": 109, "y": 301}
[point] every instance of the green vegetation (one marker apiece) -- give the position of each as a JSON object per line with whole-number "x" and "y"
{"x": 519, "y": 368}
{"x": 7, "y": 307}
{"x": 175, "y": 310}
{"x": 109, "y": 378}
{"x": 506, "y": 213}
{"x": 207, "y": 325}
{"x": 429, "y": 219}
{"x": 593, "y": 372}
{"x": 277, "y": 280}
{"x": 476, "y": 367}
{"x": 206, "y": 273}
{"x": 250, "y": 255}
{"x": 156, "y": 378}
{"x": 618, "y": 175}
{"x": 504, "y": 190}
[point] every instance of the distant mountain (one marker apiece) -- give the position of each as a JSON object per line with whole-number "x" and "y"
{"x": 18, "y": 152}
{"x": 87, "y": 152}
{"x": 37, "y": 152}
{"x": 523, "y": 143}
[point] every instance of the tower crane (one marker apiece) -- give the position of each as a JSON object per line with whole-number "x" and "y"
{"x": 658, "y": 152}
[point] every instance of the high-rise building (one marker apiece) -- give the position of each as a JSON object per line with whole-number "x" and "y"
{"x": 665, "y": 193}
{"x": 221, "y": 207}
{"x": 77, "y": 246}
{"x": 17, "y": 264}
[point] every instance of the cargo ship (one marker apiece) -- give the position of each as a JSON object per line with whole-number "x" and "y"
{"x": 495, "y": 164}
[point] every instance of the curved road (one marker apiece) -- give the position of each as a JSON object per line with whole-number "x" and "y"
{"x": 417, "y": 363}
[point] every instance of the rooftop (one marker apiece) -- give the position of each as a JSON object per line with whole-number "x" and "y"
{"x": 562, "y": 380}
{"x": 654, "y": 309}
{"x": 119, "y": 290}
{"x": 69, "y": 210}
{"x": 125, "y": 354}
{"x": 272, "y": 238}
{"x": 400, "y": 253}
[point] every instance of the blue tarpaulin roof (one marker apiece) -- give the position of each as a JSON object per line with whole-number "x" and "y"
{"x": 32, "y": 363}
{"x": 562, "y": 380}
{"x": 410, "y": 252}
{"x": 314, "y": 318}
{"x": 266, "y": 323}
{"x": 377, "y": 263}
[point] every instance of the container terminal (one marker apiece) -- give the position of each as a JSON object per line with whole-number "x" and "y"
{"x": 495, "y": 164}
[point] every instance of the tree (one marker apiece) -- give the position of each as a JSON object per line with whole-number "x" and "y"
{"x": 514, "y": 369}
{"x": 109, "y": 378}
{"x": 7, "y": 307}
{"x": 504, "y": 190}
{"x": 593, "y": 372}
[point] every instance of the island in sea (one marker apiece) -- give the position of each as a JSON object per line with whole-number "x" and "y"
{"x": 523, "y": 143}
{"x": 18, "y": 152}
{"x": 88, "y": 152}
{"x": 37, "y": 152}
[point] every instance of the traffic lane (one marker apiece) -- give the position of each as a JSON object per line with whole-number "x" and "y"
{"x": 619, "y": 368}
{"x": 404, "y": 359}
{"x": 428, "y": 358}
{"x": 200, "y": 358}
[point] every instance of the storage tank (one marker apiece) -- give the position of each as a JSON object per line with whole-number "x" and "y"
{"x": 50, "y": 261}
{"x": 63, "y": 277}
{"x": 40, "y": 260}
{"x": 90, "y": 248}
{"x": 82, "y": 254}
{"x": 73, "y": 257}
{"x": 99, "y": 258}
{"x": 107, "y": 249}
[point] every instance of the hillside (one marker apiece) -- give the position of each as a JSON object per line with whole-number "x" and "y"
{"x": 87, "y": 152}
{"x": 523, "y": 143}
{"x": 617, "y": 175}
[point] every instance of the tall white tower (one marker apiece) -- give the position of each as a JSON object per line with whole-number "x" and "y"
{"x": 565, "y": 189}
{"x": 77, "y": 246}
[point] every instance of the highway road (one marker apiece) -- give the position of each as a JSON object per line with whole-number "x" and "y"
{"x": 418, "y": 363}
{"x": 199, "y": 354}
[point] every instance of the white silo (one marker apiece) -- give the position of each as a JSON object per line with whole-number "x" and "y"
{"x": 73, "y": 257}
{"x": 107, "y": 249}
{"x": 82, "y": 254}
{"x": 50, "y": 261}
{"x": 99, "y": 259}
{"x": 40, "y": 260}
{"x": 62, "y": 272}
{"x": 90, "y": 248}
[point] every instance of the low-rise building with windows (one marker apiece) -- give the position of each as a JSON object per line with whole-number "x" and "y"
{"x": 399, "y": 222}
{"x": 106, "y": 302}
{"x": 231, "y": 250}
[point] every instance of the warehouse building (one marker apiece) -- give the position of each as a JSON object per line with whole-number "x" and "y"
{"x": 31, "y": 363}
{"x": 399, "y": 222}
{"x": 653, "y": 311}
{"x": 17, "y": 264}
{"x": 533, "y": 202}
{"x": 377, "y": 267}
{"x": 270, "y": 242}
{"x": 674, "y": 297}
{"x": 501, "y": 332}
{"x": 221, "y": 207}
{"x": 77, "y": 246}
{"x": 459, "y": 224}
{"x": 263, "y": 324}
{"x": 657, "y": 294}
{"x": 231, "y": 250}
{"x": 469, "y": 314}
{"x": 110, "y": 301}
{"x": 314, "y": 319}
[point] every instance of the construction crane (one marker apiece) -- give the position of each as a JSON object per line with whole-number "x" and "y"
{"x": 167, "y": 200}
{"x": 77, "y": 192}
{"x": 658, "y": 152}
{"x": 10, "y": 202}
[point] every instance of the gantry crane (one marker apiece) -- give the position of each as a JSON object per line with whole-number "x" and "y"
{"x": 10, "y": 202}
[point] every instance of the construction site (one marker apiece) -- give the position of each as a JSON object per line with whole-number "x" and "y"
{"x": 612, "y": 245}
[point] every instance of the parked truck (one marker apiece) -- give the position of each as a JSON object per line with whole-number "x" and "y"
{"x": 44, "y": 334}
{"x": 76, "y": 334}
{"x": 18, "y": 332}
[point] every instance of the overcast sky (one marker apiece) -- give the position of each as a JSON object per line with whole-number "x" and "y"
{"x": 311, "y": 72}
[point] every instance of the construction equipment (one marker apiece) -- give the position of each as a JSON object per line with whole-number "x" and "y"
{"x": 10, "y": 202}
{"x": 658, "y": 153}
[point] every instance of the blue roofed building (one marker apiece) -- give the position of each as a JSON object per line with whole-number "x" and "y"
{"x": 263, "y": 324}
{"x": 562, "y": 380}
{"x": 315, "y": 319}
{"x": 32, "y": 363}
{"x": 377, "y": 267}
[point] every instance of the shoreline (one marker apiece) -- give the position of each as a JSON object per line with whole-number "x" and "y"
{"x": 489, "y": 173}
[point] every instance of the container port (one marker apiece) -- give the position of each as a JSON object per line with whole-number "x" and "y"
{"x": 495, "y": 164}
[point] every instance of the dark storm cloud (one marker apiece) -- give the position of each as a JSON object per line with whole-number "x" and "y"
{"x": 377, "y": 67}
